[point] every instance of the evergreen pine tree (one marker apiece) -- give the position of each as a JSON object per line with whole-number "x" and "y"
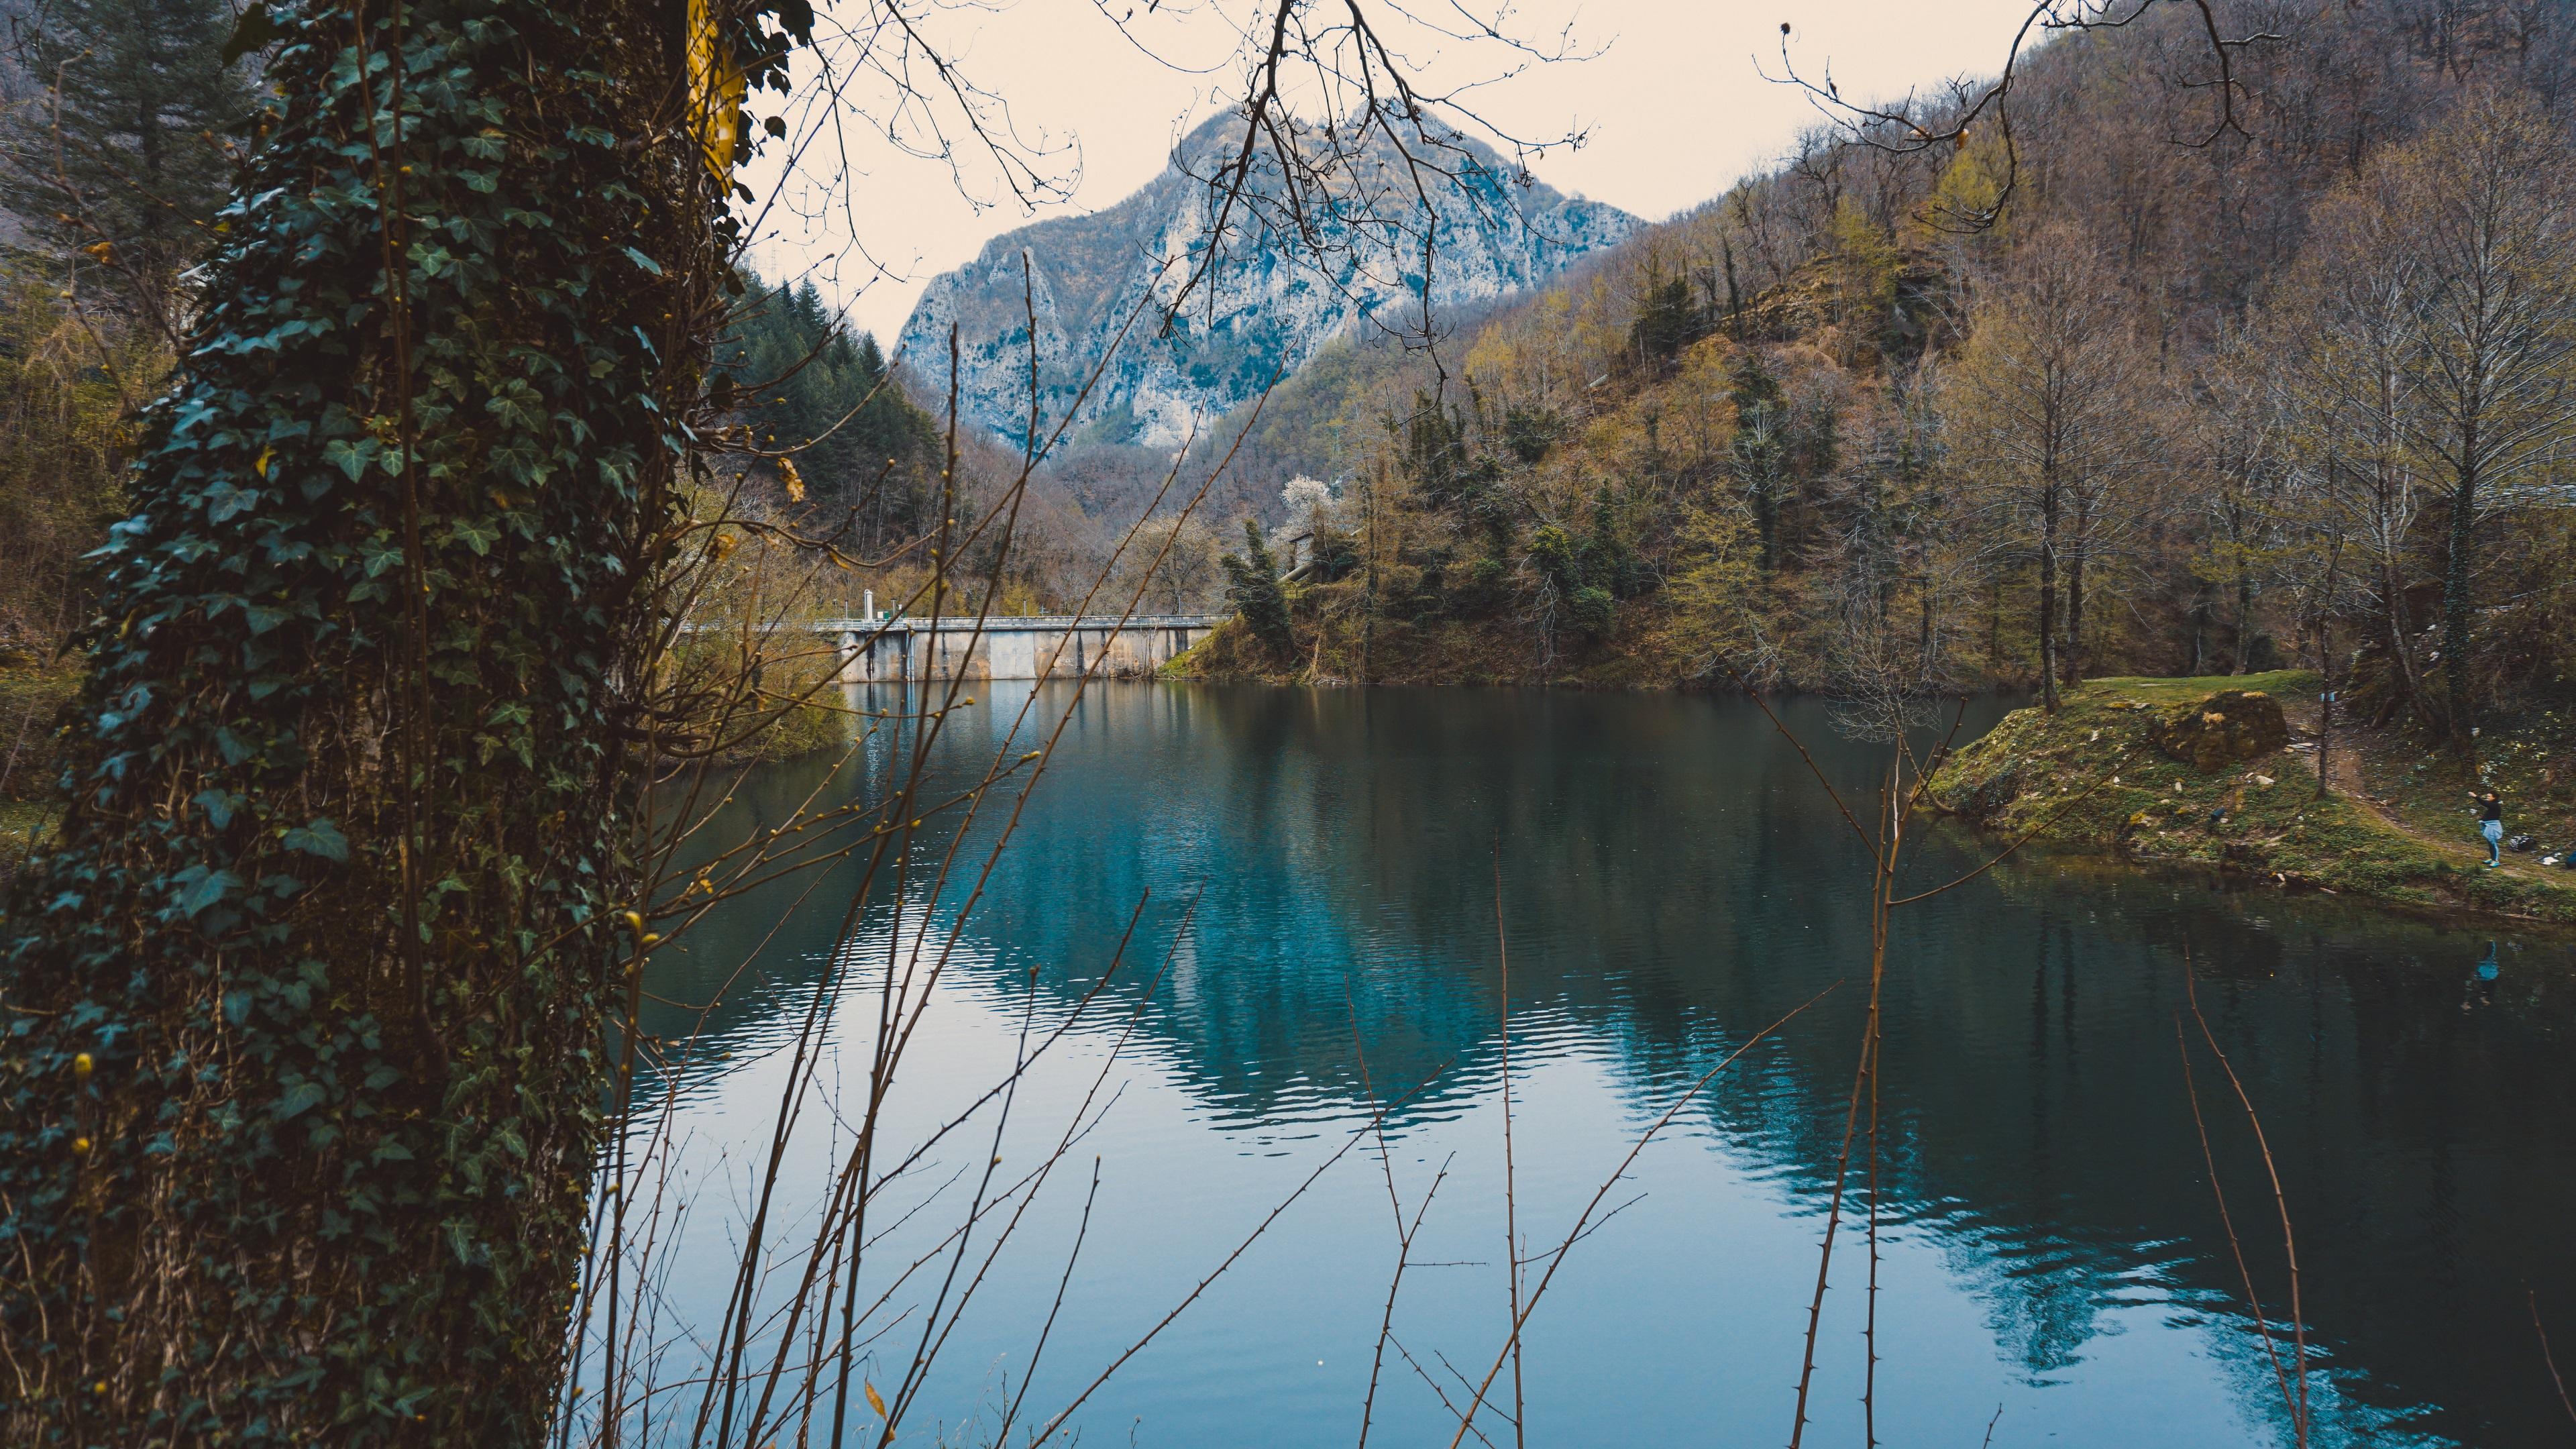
{"x": 798, "y": 375}
{"x": 1666, "y": 321}
{"x": 1435, "y": 449}
{"x": 119, "y": 154}
{"x": 1761, "y": 450}
{"x": 1252, "y": 586}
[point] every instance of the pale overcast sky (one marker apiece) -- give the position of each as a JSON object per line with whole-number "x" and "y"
{"x": 1673, "y": 104}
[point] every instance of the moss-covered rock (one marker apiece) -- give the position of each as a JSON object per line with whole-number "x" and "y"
{"x": 2230, "y": 726}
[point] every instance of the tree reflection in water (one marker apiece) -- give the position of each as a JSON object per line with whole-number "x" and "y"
{"x": 1672, "y": 882}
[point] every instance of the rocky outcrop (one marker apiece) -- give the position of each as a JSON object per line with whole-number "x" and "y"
{"x": 1267, "y": 307}
{"x": 2229, "y": 726}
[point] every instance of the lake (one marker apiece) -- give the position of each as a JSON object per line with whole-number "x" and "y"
{"x": 1311, "y": 878}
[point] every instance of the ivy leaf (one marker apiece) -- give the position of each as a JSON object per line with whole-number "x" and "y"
{"x": 319, "y": 837}
{"x": 204, "y": 888}
{"x": 518, "y": 405}
{"x": 474, "y": 534}
{"x": 352, "y": 458}
{"x": 641, "y": 260}
{"x": 299, "y": 1099}
{"x": 519, "y": 458}
{"x": 224, "y": 500}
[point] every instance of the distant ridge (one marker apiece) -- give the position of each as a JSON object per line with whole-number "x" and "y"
{"x": 1270, "y": 306}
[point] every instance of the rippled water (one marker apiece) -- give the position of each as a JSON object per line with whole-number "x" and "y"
{"x": 1317, "y": 872}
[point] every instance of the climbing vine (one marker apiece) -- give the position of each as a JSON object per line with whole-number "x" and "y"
{"x": 302, "y": 1017}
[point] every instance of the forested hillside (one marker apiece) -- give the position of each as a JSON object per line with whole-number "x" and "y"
{"x": 2215, "y": 391}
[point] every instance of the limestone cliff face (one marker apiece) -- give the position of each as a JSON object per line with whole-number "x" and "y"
{"x": 1269, "y": 304}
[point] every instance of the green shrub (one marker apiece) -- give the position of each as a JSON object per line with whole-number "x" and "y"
{"x": 1593, "y": 611}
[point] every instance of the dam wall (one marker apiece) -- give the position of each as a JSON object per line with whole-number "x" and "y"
{"x": 896, "y": 649}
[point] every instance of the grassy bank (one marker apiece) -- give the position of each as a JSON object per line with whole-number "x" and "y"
{"x": 32, "y": 694}
{"x": 2396, "y": 826}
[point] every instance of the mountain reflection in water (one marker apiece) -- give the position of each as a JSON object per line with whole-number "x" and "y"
{"x": 1672, "y": 882}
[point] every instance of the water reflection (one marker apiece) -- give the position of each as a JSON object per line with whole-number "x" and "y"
{"x": 1671, "y": 881}
{"x": 2484, "y": 979}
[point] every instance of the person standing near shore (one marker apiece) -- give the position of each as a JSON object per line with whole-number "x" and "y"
{"x": 2491, "y": 825}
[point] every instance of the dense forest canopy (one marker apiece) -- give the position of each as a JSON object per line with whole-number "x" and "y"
{"x": 2212, "y": 393}
{"x": 811, "y": 391}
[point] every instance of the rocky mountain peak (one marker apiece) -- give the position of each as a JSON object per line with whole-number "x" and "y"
{"x": 1266, "y": 304}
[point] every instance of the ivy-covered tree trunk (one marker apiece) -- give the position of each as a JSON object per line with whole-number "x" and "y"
{"x": 301, "y": 1075}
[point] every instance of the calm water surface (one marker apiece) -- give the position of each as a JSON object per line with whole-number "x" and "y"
{"x": 1319, "y": 870}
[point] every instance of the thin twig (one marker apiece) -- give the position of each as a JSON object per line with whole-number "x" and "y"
{"x": 1556, "y": 1259}
{"x": 2032, "y": 834}
{"x": 2226, "y": 1220}
{"x": 1511, "y": 1197}
{"x": 1240, "y": 1249}
{"x": 2546, "y": 1357}
{"x": 2280, "y": 1202}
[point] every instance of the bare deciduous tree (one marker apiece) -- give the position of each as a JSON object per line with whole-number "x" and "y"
{"x": 2042, "y": 414}
{"x": 1182, "y": 577}
{"x": 2484, "y": 208}
{"x": 2342, "y": 333}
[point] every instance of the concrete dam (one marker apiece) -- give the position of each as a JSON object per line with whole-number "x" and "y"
{"x": 899, "y": 649}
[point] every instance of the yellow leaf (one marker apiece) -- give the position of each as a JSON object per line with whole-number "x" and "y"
{"x": 715, "y": 88}
{"x": 874, "y": 1400}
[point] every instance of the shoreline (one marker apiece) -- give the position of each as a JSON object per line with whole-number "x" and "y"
{"x": 2102, "y": 775}
{"x": 2386, "y": 833}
